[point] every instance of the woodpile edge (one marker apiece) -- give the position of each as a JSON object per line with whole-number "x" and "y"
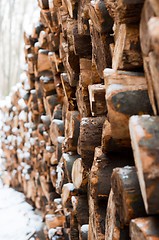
{"x": 80, "y": 131}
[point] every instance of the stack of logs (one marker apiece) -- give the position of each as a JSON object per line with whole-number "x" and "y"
{"x": 77, "y": 113}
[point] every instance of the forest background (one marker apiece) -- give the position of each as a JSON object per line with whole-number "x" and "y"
{"x": 16, "y": 16}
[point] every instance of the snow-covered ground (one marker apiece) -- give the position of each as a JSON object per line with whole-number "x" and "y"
{"x": 18, "y": 221}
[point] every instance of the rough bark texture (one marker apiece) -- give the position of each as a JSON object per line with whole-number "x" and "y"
{"x": 144, "y": 132}
{"x": 65, "y": 129}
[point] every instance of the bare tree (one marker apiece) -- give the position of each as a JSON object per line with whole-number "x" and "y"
{"x": 14, "y": 16}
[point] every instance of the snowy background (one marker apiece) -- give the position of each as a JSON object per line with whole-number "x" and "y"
{"x": 15, "y": 17}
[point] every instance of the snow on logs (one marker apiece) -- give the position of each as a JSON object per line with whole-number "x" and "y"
{"x": 69, "y": 134}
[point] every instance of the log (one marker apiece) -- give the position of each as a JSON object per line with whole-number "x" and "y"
{"x": 72, "y": 128}
{"x": 74, "y": 233}
{"x": 42, "y": 40}
{"x": 53, "y": 221}
{"x": 47, "y": 153}
{"x": 31, "y": 58}
{"x": 72, "y": 7}
{"x": 57, "y": 114}
{"x": 53, "y": 159}
{"x": 68, "y": 191}
{"x": 144, "y": 136}
{"x": 82, "y": 44}
{"x": 144, "y": 228}
{"x": 149, "y": 11}
{"x": 56, "y": 130}
{"x": 59, "y": 88}
{"x": 54, "y": 3}
{"x": 79, "y": 175}
{"x": 148, "y": 28}
{"x": 62, "y": 16}
{"x": 69, "y": 92}
{"x": 46, "y": 121}
{"x": 68, "y": 160}
{"x": 89, "y": 127}
{"x": 43, "y": 4}
{"x": 153, "y": 68}
{"x": 31, "y": 80}
{"x": 82, "y": 94}
{"x": 57, "y": 205}
{"x": 53, "y": 175}
{"x": 125, "y": 11}
{"x": 79, "y": 216}
{"x": 100, "y": 17}
{"x": 47, "y": 18}
{"x": 72, "y": 66}
{"x": 82, "y": 97}
{"x": 47, "y": 187}
{"x": 107, "y": 142}
{"x": 49, "y": 103}
{"x": 123, "y": 96}
{"x": 100, "y": 49}
{"x": 111, "y": 6}
{"x": 95, "y": 78}
{"x": 64, "y": 127}
{"x": 71, "y": 60}
{"x": 110, "y": 227}
{"x": 120, "y": 77}
{"x": 101, "y": 171}
{"x": 113, "y": 228}
{"x": 97, "y": 213}
{"x": 83, "y": 232}
{"x": 97, "y": 99}
{"x": 54, "y": 38}
{"x": 118, "y": 111}
{"x": 88, "y": 73}
{"x": 81, "y": 209}
{"x": 83, "y": 16}
{"x": 39, "y": 97}
{"x": 61, "y": 178}
{"x": 127, "y": 194}
{"x": 127, "y": 52}
{"x": 59, "y": 148}
{"x": 56, "y": 62}
{"x": 43, "y": 63}
{"x": 47, "y": 84}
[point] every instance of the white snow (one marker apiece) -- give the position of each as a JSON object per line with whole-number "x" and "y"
{"x": 84, "y": 228}
{"x": 52, "y": 232}
{"x": 113, "y": 87}
{"x": 60, "y": 174}
{"x": 19, "y": 140}
{"x": 23, "y": 116}
{"x": 6, "y": 128}
{"x": 108, "y": 71}
{"x": 70, "y": 186}
{"x": 21, "y": 103}
{"x": 17, "y": 218}
{"x": 32, "y": 141}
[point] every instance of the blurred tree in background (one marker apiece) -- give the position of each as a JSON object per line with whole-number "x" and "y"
{"x": 15, "y": 17}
